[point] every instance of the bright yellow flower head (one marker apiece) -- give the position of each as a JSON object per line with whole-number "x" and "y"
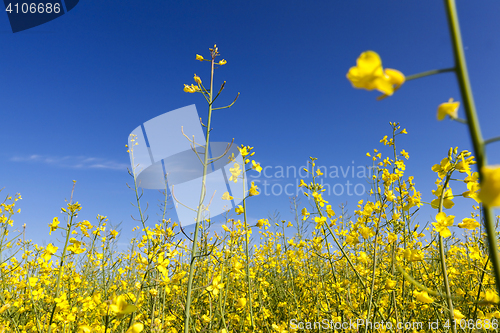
{"x": 53, "y": 225}
{"x": 235, "y": 172}
{"x": 369, "y": 74}
{"x": 241, "y": 303}
{"x": 239, "y": 210}
{"x": 422, "y": 296}
{"x": 390, "y": 284}
{"x": 490, "y": 186}
{"x": 442, "y": 223}
{"x": 447, "y": 198}
{"x": 392, "y": 237}
{"x": 490, "y": 297}
{"x": 468, "y": 223}
{"x": 84, "y": 329}
{"x": 305, "y": 214}
{"x": 226, "y": 196}
{"x": 191, "y": 89}
{"x": 457, "y": 314}
{"x": 256, "y": 166}
{"x": 222, "y": 62}
{"x": 121, "y": 307}
{"x": 199, "y": 57}
{"x": 448, "y": 109}
{"x": 253, "y": 190}
{"x": 197, "y": 79}
{"x": 136, "y": 328}
{"x": 329, "y": 211}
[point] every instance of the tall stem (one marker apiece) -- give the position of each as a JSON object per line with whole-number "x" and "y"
{"x": 194, "y": 248}
{"x": 247, "y": 265}
{"x": 474, "y": 129}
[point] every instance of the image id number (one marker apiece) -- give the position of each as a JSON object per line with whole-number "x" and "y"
{"x": 33, "y": 8}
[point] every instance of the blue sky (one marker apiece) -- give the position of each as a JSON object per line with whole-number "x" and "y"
{"x": 73, "y": 89}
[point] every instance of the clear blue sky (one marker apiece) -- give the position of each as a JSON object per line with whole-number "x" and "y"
{"x": 74, "y": 88}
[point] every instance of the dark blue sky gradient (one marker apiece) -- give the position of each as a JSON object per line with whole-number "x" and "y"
{"x": 74, "y": 88}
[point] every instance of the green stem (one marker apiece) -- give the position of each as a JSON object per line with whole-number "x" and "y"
{"x": 194, "y": 248}
{"x": 443, "y": 261}
{"x": 374, "y": 268}
{"x": 491, "y": 140}
{"x": 247, "y": 266}
{"x": 428, "y": 73}
{"x": 475, "y": 130}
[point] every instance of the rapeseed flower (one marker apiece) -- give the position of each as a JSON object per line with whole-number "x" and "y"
{"x": 448, "y": 109}
{"x": 369, "y": 74}
{"x": 422, "y": 296}
{"x": 490, "y": 186}
{"x": 442, "y": 223}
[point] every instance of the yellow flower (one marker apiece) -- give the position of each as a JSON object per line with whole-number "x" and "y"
{"x": 191, "y": 89}
{"x": 113, "y": 233}
{"x": 226, "y": 196}
{"x": 260, "y": 222}
{"x": 448, "y": 195}
{"x": 396, "y": 78}
{"x": 256, "y": 166}
{"x": 84, "y": 329}
{"x": 253, "y": 190}
{"x": 369, "y": 75}
{"x": 390, "y": 284}
{"x": 305, "y": 214}
{"x": 216, "y": 285}
{"x": 473, "y": 186}
{"x": 450, "y": 109}
{"x": 121, "y": 307}
{"x": 329, "y": 210}
{"x": 222, "y": 62}
{"x": 413, "y": 255}
{"x": 363, "y": 257}
{"x": 199, "y": 57}
{"x": 490, "y": 186}
{"x": 490, "y": 297}
{"x": 136, "y": 328}
{"x": 422, "y": 296}
{"x": 366, "y": 232}
{"x": 392, "y": 237}
{"x": 241, "y": 303}
{"x": 442, "y": 223}
{"x": 197, "y": 79}
{"x": 239, "y": 210}
{"x": 4, "y": 308}
{"x": 457, "y": 314}
{"x": 468, "y": 223}
{"x": 49, "y": 251}
{"x": 235, "y": 172}
{"x": 53, "y": 225}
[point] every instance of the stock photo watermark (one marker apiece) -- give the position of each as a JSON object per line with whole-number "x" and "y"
{"x": 337, "y": 180}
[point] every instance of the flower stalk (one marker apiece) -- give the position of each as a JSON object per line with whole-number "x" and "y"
{"x": 194, "y": 248}
{"x": 475, "y": 131}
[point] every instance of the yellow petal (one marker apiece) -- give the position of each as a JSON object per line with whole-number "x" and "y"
{"x": 369, "y": 63}
{"x": 450, "y": 109}
{"x": 490, "y": 186}
{"x": 395, "y": 77}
